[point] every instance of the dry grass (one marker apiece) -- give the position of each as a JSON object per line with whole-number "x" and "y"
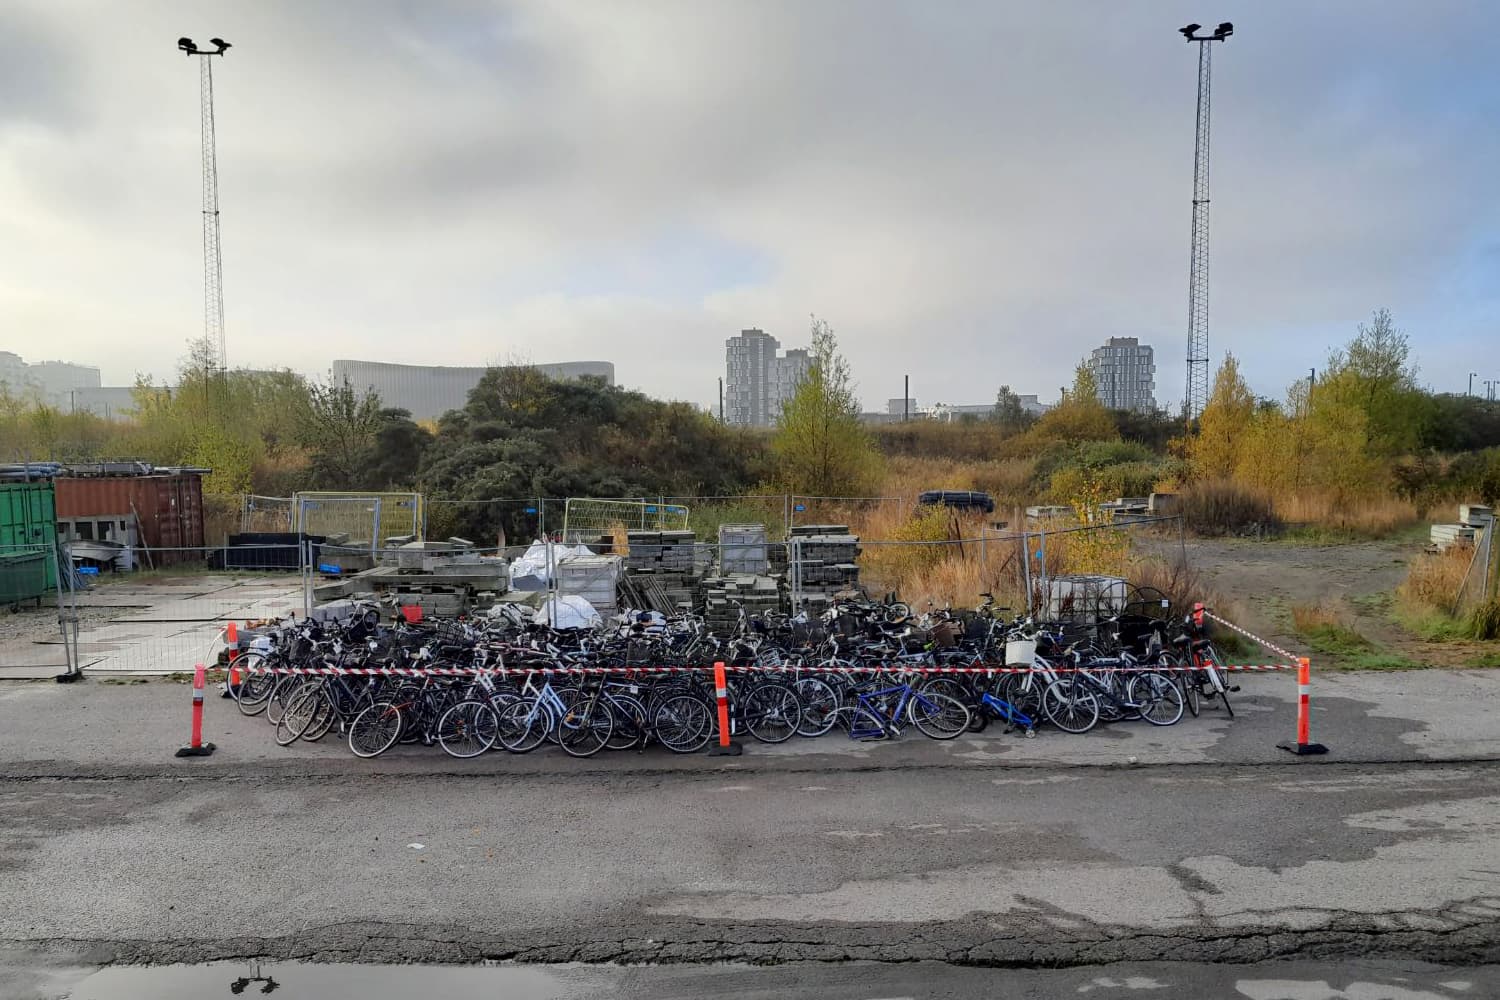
{"x": 1008, "y": 480}
{"x": 1370, "y": 517}
{"x": 1433, "y": 579}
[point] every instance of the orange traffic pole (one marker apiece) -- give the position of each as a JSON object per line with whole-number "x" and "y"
{"x": 726, "y": 747}
{"x": 197, "y": 748}
{"x": 1304, "y": 746}
{"x": 232, "y": 640}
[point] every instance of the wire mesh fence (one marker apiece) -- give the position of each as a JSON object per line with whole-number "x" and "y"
{"x": 85, "y": 611}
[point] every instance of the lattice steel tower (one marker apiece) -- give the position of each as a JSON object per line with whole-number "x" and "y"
{"x": 213, "y": 262}
{"x": 1197, "y": 341}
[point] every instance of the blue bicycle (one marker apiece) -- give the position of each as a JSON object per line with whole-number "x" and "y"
{"x": 880, "y": 713}
{"x": 1013, "y": 717}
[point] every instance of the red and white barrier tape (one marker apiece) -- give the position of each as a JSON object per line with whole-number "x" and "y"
{"x": 612, "y": 671}
{"x": 1252, "y": 636}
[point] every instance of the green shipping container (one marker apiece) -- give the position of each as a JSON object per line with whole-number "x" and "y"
{"x": 28, "y": 526}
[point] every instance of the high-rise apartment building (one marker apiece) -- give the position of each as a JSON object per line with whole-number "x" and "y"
{"x": 758, "y": 381}
{"x": 1125, "y": 374}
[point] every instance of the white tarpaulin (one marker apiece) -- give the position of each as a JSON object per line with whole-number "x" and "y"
{"x": 535, "y": 567}
{"x": 567, "y": 611}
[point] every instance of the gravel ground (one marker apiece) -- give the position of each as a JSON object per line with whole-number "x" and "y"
{"x": 41, "y": 623}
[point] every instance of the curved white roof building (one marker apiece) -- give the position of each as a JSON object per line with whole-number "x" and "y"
{"x": 429, "y": 391}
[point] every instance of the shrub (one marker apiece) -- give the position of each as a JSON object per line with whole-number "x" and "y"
{"x": 1219, "y": 507}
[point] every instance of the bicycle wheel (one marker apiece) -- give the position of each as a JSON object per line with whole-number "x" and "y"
{"x": 630, "y": 723}
{"x": 288, "y": 687}
{"x": 683, "y": 723}
{"x": 819, "y": 702}
{"x": 586, "y": 729}
{"x": 772, "y": 713}
{"x": 1191, "y": 696}
{"x": 466, "y": 729}
{"x": 254, "y": 690}
{"x": 860, "y": 723}
{"x": 323, "y": 721}
{"x": 1070, "y": 707}
{"x": 938, "y": 716}
{"x": 374, "y": 730}
{"x": 1157, "y": 694}
{"x": 521, "y": 726}
{"x": 297, "y": 717}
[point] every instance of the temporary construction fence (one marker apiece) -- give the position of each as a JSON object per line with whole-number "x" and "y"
{"x": 370, "y": 518}
{"x": 39, "y": 638}
{"x": 586, "y": 520}
{"x": 155, "y": 622}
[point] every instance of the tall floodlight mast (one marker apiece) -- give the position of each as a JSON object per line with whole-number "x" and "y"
{"x": 1197, "y": 341}
{"x": 213, "y": 262}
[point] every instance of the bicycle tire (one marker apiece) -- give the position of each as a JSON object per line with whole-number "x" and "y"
{"x": 1161, "y": 701}
{"x": 1191, "y": 696}
{"x": 298, "y": 716}
{"x": 374, "y": 730}
{"x": 521, "y": 726}
{"x": 1069, "y": 707}
{"x": 254, "y": 691}
{"x": 588, "y": 731}
{"x": 466, "y": 729}
{"x": 630, "y": 723}
{"x": 819, "y": 701}
{"x": 683, "y": 723}
{"x": 772, "y": 713}
{"x": 323, "y": 720}
{"x": 861, "y": 724}
{"x": 938, "y": 716}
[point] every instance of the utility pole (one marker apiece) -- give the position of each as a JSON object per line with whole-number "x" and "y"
{"x": 213, "y": 263}
{"x": 1471, "y": 384}
{"x": 905, "y": 398}
{"x": 721, "y": 400}
{"x": 1197, "y": 341}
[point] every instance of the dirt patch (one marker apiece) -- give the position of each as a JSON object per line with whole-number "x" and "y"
{"x": 1266, "y": 580}
{"x": 40, "y": 624}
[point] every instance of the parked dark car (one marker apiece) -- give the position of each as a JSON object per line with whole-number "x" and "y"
{"x": 958, "y": 500}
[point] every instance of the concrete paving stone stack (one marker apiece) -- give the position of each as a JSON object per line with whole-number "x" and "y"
{"x": 829, "y": 565}
{"x": 669, "y": 558}
{"x": 723, "y": 597}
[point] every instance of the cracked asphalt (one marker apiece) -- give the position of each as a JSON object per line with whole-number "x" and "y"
{"x": 988, "y": 852}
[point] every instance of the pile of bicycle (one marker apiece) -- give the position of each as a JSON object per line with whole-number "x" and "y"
{"x": 866, "y": 670}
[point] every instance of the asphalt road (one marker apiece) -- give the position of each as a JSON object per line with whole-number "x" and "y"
{"x": 1301, "y": 980}
{"x": 987, "y": 852}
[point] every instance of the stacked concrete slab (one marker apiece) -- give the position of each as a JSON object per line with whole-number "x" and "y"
{"x": 826, "y": 557}
{"x": 723, "y": 596}
{"x": 664, "y": 567}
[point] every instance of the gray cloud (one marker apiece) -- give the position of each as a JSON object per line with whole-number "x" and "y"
{"x": 971, "y": 193}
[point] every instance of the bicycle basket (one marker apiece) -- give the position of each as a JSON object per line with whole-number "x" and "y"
{"x": 1020, "y": 652}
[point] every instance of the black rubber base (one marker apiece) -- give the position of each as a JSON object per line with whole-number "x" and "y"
{"x": 206, "y": 750}
{"x": 72, "y": 678}
{"x": 732, "y": 750}
{"x": 1303, "y": 749}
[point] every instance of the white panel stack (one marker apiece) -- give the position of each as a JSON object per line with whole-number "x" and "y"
{"x": 593, "y": 578}
{"x": 742, "y": 549}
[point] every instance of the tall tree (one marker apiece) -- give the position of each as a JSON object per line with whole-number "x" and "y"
{"x": 820, "y": 445}
{"x": 1214, "y": 452}
{"x": 1010, "y": 416}
{"x": 338, "y": 426}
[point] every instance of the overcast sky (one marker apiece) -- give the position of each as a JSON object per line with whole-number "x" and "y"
{"x": 971, "y": 193}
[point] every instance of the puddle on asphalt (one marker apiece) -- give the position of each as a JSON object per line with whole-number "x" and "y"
{"x": 299, "y": 981}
